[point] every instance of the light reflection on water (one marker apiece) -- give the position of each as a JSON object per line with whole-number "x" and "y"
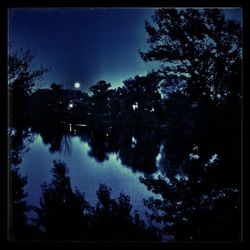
{"x": 85, "y": 172}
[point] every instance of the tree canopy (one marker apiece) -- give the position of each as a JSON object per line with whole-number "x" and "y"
{"x": 22, "y": 71}
{"x": 192, "y": 138}
{"x": 200, "y": 51}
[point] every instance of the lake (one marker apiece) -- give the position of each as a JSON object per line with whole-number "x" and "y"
{"x": 91, "y": 162}
{"x": 119, "y": 157}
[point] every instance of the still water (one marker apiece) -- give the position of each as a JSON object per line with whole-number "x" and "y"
{"x": 85, "y": 171}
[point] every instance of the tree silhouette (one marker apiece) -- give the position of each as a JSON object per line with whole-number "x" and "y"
{"x": 191, "y": 134}
{"x": 61, "y": 215}
{"x": 66, "y": 215}
{"x": 23, "y": 74}
{"x": 200, "y": 52}
{"x": 19, "y": 140}
{"x": 56, "y": 87}
{"x": 142, "y": 98}
{"x": 113, "y": 221}
{"x": 19, "y": 227}
{"x": 18, "y": 204}
{"x": 100, "y": 99}
{"x": 196, "y": 206}
{"x": 57, "y": 103}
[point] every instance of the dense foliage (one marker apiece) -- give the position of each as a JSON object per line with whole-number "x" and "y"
{"x": 183, "y": 119}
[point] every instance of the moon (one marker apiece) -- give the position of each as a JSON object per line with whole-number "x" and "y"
{"x": 77, "y": 85}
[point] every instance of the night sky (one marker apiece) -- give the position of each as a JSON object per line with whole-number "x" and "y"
{"x": 85, "y": 45}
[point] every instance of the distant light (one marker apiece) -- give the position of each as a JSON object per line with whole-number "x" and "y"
{"x": 213, "y": 158}
{"x": 193, "y": 156}
{"x": 135, "y": 106}
{"x": 77, "y": 85}
{"x": 71, "y": 105}
{"x": 181, "y": 177}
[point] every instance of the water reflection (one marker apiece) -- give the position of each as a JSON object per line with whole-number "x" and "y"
{"x": 114, "y": 156}
{"x": 86, "y": 173}
{"x": 19, "y": 141}
{"x": 140, "y": 162}
{"x": 136, "y": 148}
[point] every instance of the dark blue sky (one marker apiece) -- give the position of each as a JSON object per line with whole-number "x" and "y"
{"x": 83, "y": 44}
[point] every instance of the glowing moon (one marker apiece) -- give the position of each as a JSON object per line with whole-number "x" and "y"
{"x": 77, "y": 85}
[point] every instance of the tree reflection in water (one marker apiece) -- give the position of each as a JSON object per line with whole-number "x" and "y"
{"x": 181, "y": 121}
{"x": 200, "y": 202}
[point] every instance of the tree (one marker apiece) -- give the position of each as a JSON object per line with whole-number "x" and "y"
{"x": 200, "y": 52}
{"x": 58, "y": 103}
{"x": 66, "y": 215}
{"x": 23, "y": 74}
{"x": 100, "y": 98}
{"x": 18, "y": 204}
{"x": 196, "y": 204}
{"x": 56, "y": 87}
{"x": 62, "y": 210}
{"x": 142, "y": 95}
{"x": 112, "y": 219}
{"x": 19, "y": 141}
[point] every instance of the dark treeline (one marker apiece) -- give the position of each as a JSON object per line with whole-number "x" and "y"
{"x": 64, "y": 214}
{"x": 136, "y": 102}
{"x": 188, "y": 111}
